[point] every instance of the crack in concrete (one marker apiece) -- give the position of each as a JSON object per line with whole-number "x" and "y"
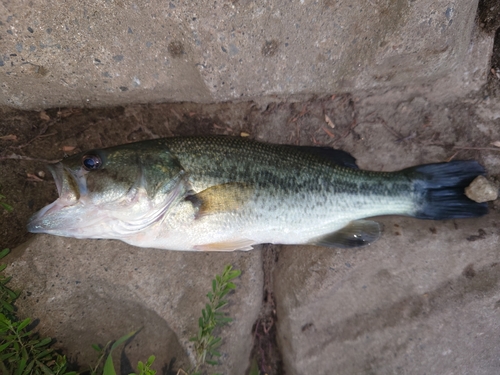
{"x": 265, "y": 347}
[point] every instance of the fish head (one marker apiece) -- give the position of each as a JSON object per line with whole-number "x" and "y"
{"x": 111, "y": 193}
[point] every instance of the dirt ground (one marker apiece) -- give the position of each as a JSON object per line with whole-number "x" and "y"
{"x": 359, "y": 125}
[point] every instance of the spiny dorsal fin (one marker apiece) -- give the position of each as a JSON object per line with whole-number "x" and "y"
{"x": 221, "y": 198}
{"x": 356, "y": 233}
{"x": 338, "y": 157}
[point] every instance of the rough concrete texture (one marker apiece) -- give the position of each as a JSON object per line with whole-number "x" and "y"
{"x": 92, "y": 292}
{"x": 424, "y": 299}
{"x": 87, "y": 53}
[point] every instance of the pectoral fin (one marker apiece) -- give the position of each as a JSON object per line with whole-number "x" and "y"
{"x": 221, "y": 198}
{"x": 356, "y": 233}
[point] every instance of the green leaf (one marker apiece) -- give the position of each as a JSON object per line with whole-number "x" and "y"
{"x": 4, "y": 252}
{"x": 221, "y": 304}
{"x": 109, "y": 368}
{"x": 41, "y": 355}
{"x": 215, "y": 353}
{"x": 216, "y": 341}
{"x": 231, "y": 286}
{"x": 13, "y": 295}
{"x": 43, "y": 342}
{"x": 97, "y": 348}
{"x": 44, "y": 368}
{"x": 23, "y": 324}
{"x": 7, "y": 306}
{"x": 209, "y": 309}
{"x": 20, "y": 366}
{"x": 234, "y": 274}
{"x": 122, "y": 339}
{"x": 27, "y": 370}
{"x": 254, "y": 367}
{"x": 5, "y": 356}
{"x": 213, "y": 363}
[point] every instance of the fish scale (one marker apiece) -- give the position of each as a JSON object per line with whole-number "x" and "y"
{"x": 229, "y": 193}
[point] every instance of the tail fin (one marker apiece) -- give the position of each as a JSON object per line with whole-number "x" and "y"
{"x": 441, "y": 188}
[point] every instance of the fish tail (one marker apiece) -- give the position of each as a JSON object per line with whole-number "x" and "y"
{"x": 440, "y": 189}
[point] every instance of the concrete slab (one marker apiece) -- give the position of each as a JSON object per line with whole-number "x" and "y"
{"x": 422, "y": 300}
{"x": 106, "y": 289}
{"x": 88, "y": 54}
{"x": 430, "y": 288}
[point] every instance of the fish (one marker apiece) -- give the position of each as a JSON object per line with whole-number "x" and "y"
{"x": 222, "y": 193}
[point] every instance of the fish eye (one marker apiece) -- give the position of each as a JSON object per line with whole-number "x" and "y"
{"x": 91, "y": 162}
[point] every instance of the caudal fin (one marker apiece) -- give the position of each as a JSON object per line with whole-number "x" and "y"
{"x": 441, "y": 190}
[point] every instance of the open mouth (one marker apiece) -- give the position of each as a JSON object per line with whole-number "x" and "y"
{"x": 57, "y": 171}
{"x": 48, "y": 219}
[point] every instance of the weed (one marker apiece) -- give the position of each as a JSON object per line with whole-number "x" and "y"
{"x": 108, "y": 368}
{"x": 4, "y": 205}
{"x": 22, "y": 351}
{"x": 205, "y": 343}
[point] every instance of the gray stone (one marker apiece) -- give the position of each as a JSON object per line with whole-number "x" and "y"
{"x": 97, "y": 291}
{"x": 482, "y": 190}
{"x": 123, "y": 52}
{"x": 424, "y": 299}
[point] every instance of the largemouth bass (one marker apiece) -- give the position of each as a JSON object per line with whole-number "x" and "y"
{"x": 225, "y": 193}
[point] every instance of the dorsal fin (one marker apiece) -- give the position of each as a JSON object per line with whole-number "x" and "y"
{"x": 338, "y": 157}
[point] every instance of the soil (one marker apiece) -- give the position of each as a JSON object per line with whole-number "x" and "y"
{"x": 360, "y": 125}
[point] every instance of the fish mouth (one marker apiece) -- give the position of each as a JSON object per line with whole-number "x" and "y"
{"x": 51, "y": 218}
{"x": 57, "y": 171}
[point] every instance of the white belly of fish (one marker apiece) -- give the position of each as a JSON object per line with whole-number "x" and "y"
{"x": 289, "y": 222}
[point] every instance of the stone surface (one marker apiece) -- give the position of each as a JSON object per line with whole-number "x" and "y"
{"x": 482, "y": 190}
{"x": 431, "y": 299}
{"x": 83, "y": 53}
{"x": 424, "y": 299}
{"x": 92, "y": 292}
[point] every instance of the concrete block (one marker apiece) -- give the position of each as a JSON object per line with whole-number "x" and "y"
{"x": 424, "y": 299}
{"x": 87, "y": 53}
{"x": 97, "y": 291}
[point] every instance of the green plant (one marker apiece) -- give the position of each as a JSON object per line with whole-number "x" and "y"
{"x": 205, "y": 343}
{"x": 23, "y": 351}
{"x": 107, "y": 352}
{"x": 145, "y": 368}
{"x": 4, "y": 205}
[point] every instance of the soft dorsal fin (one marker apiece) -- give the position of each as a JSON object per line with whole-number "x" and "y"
{"x": 355, "y": 234}
{"x": 221, "y": 198}
{"x": 338, "y": 157}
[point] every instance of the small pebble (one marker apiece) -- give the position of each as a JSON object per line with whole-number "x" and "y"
{"x": 481, "y": 190}
{"x": 41, "y": 174}
{"x": 244, "y": 134}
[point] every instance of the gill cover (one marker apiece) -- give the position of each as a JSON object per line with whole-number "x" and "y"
{"x": 109, "y": 193}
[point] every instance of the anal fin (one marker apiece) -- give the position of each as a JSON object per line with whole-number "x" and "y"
{"x": 232, "y": 245}
{"x": 355, "y": 234}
